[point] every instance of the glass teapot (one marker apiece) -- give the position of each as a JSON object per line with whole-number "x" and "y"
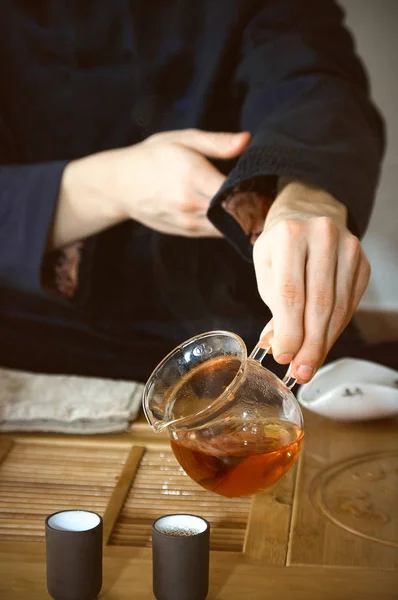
{"x": 234, "y": 426}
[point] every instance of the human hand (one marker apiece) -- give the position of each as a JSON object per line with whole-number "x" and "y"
{"x": 311, "y": 272}
{"x": 166, "y": 183}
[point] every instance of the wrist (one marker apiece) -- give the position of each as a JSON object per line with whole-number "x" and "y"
{"x": 91, "y": 182}
{"x": 295, "y": 197}
{"x": 85, "y": 204}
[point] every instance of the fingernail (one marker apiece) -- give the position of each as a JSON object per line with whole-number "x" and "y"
{"x": 267, "y": 336}
{"x": 267, "y": 330}
{"x": 305, "y": 372}
{"x": 284, "y": 358}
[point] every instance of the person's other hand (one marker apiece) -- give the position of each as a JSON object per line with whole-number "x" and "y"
{"x": 311, "y": 272}
{"x": 164, "y": 182}
{"x": 167, "y": 184}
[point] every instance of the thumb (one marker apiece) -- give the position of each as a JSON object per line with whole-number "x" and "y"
{"x": 214, "y": 144}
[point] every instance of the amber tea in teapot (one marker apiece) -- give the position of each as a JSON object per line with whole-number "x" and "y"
{"x": 234, "y": 427}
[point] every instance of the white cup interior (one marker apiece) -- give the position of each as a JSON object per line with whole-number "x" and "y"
{"x": 74, "y": 520}
{"x": 181, "y": 525}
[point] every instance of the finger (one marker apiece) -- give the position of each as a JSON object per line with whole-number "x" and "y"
{"x": 262, "y": 265}
{"x": 192, "y": 226}
{"x": 208, "y": 181}
{"x": 320, "y": 298}
{"x": 184, "y": 230}
{"x": 208, "y": 230}
{"x": 361, "y": 282}
{"x": 212, "y": 144}
{"x": 349, "y": 291}
{"x": 347, "y": 265}
{"x": 288, "y": 290}
{"x": 267, "y": 336}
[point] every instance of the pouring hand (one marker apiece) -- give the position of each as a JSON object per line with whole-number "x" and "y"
{"x": 311, "y": 272}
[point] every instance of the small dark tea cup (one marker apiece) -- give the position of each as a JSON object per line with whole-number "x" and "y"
{"x": 181, "y": 554}
{"x": 74, "y": 555}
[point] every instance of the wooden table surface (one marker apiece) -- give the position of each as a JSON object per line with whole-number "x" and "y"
{"x": 328, "y": 529}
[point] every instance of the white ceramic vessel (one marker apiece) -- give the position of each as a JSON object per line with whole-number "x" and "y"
{"x": 352, "y": 390}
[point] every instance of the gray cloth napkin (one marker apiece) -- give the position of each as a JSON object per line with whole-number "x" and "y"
{"x": 66, "y": 404}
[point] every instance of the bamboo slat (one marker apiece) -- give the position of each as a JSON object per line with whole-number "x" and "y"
{"x": 161, "y": 487}
{"x": 121, "y": 490}
{"x": 36, "y": 481}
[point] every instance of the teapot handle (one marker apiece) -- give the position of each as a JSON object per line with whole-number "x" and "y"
{"x": 259, "y": 354}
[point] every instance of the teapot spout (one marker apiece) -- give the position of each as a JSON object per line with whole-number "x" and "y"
{"x": 155, "y": 417}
